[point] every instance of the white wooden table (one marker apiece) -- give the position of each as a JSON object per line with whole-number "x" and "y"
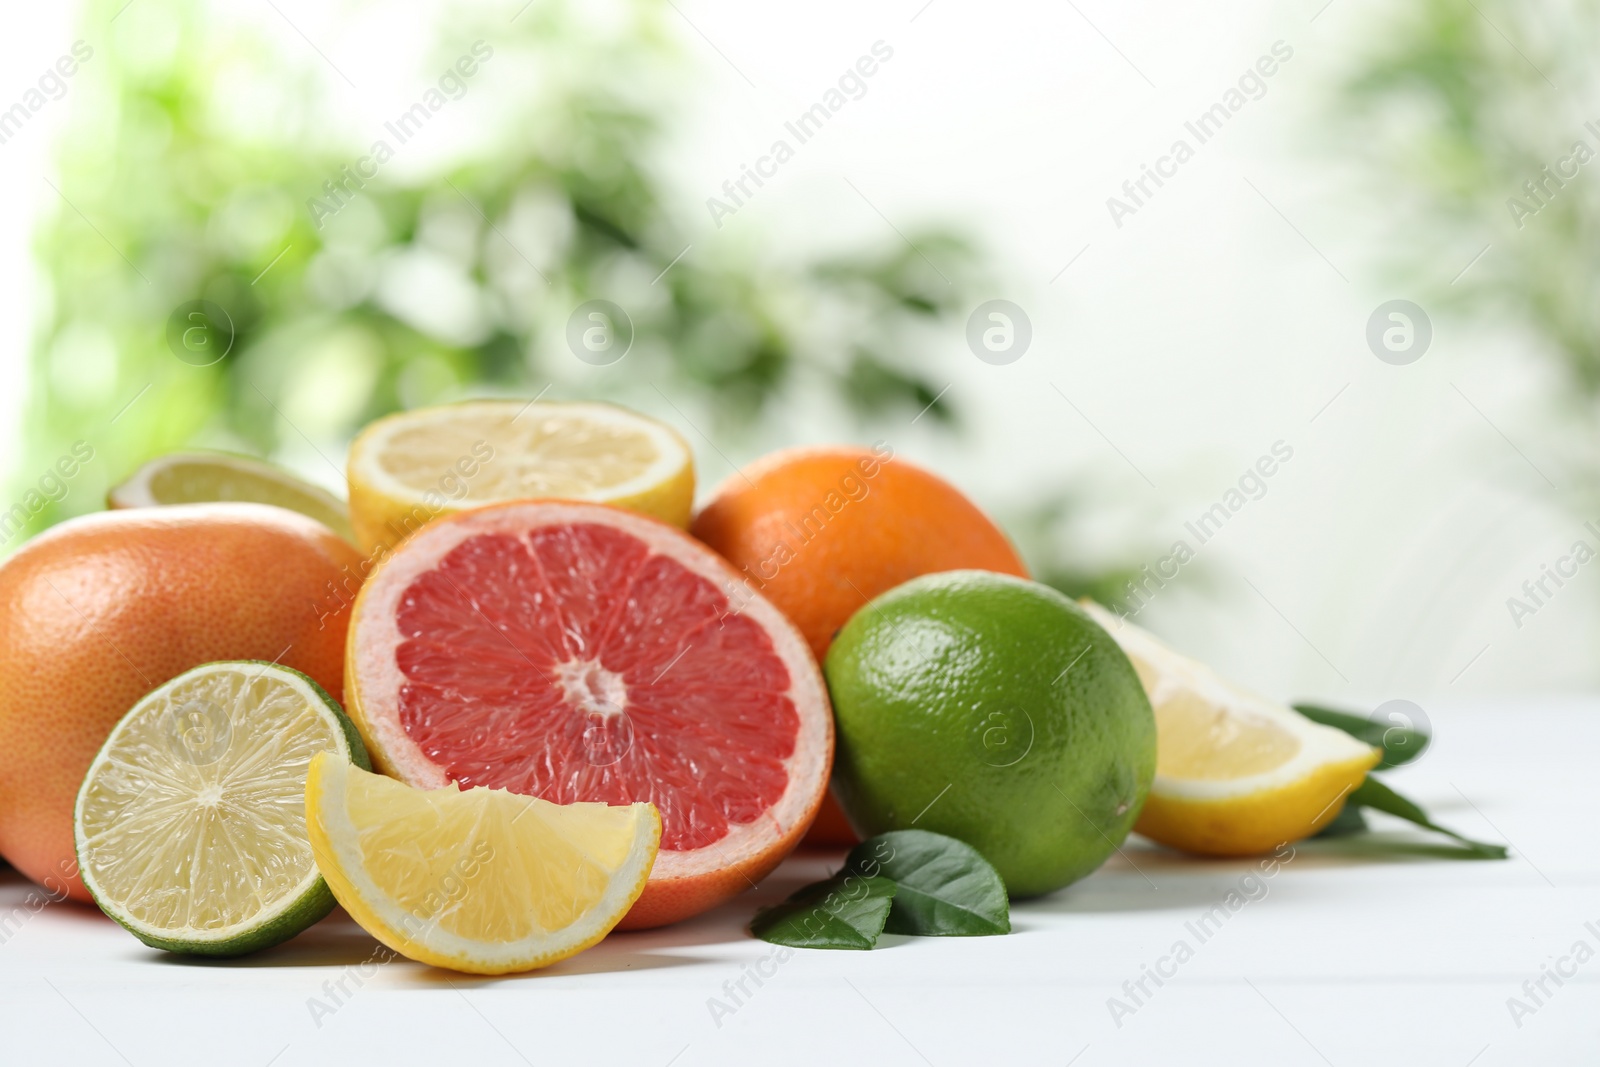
{"x": 1345, "y": 956}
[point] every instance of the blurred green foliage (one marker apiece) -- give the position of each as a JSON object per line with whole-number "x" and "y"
{"x": 191, "y": 168}
{"x": 1045, "y": 535}
{"x": 1454, "y": 107}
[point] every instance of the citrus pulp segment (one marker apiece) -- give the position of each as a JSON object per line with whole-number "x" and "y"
{"x": 482, "y": 881}
{"x": 580, "y": 652}
{"x": 187, "y": 825}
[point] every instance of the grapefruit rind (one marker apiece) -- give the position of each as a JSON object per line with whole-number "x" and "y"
{"x": 294, "y": 909}
{"x": 336, "y": 841}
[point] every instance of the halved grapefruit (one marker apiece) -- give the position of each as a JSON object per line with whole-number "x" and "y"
{"x": 580, "y": 652}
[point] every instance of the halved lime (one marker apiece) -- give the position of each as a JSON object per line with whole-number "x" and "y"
{"x": 200, "y": 477}
{"x": 191, "y": 826}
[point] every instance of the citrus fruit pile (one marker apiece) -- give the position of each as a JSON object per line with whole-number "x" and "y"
{"x": 587, "y": 707}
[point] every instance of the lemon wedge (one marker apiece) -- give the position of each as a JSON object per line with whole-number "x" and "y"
{"x": 483, "y": 881}
{"x": 1236, "y": 774}
{"x": 410, "y": 468}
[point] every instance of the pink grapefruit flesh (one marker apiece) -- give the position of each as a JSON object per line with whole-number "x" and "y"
{"x": 579, "y": 652}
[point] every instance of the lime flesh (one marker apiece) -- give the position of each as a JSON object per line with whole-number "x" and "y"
{"x": 994, "y": 710}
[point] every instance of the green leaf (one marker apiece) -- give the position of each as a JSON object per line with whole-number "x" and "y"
{"x": 846, "y": 911}
{"x": 1348, "y": 821}
{"x": 946, "y": 888}
{"x": 1374, "y": 794}
{"x": 1400, "y": 744}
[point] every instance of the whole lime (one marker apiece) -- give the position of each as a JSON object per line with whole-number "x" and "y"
{"x": 991, "y": 709}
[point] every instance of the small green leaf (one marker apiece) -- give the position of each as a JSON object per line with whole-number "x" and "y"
{"x": 946, "y": 888}
{"x": 1400, "y": 744}
{"x": 1348, "y": 821}
{"x": 1374, "y": 794}
{"x": 846, "y": 911}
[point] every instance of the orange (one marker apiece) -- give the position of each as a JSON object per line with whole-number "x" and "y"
{"x": 100, "y": 610}
{"x": 580, "y": 652}
{"x": 820, "y": 531}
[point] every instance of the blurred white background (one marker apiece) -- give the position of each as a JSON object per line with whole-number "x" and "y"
{"x": 1226, "y": 315}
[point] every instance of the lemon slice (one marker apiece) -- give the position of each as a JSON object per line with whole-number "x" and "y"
{"x": 410, "y": 468}
{"x": 201, "y": 477}
{"x": 1236, "y": 774}
{"x": 189, "y": 827}
{"x": 483, "y": 881}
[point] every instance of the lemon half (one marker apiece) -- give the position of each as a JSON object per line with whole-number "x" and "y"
{"x": 1236, "y": 774}
{"x": 410, "y": 468}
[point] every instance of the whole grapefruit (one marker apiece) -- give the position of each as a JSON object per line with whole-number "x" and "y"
{"x": 819, "y": 531}
{"x": 98, "y": 611}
